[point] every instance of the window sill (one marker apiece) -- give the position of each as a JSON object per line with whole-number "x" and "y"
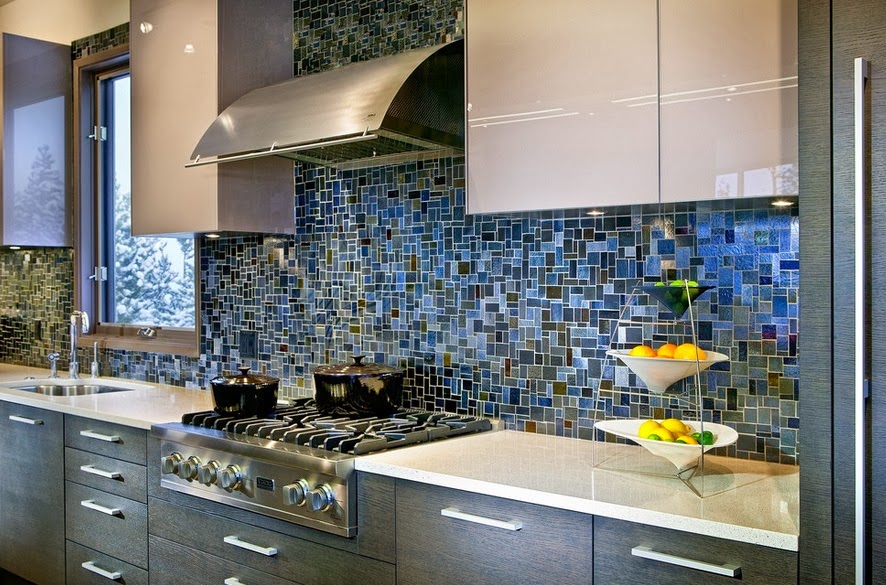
{"x": 181, "y": 342}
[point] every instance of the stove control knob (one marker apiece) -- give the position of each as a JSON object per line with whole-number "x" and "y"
{"x": 320, "y": 498}
{"x": 207, "y": 473}
{"x": 230, "y": 478}
{"x": 296, "y": 493}
{"x": 187, "y": 469}
{"x": 169, "y": 464}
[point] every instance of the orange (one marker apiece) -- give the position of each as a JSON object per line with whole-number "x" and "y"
{"x": 666, "y": 350}
{"x": 642, "y": 351}
{"x": 687, "y": 351}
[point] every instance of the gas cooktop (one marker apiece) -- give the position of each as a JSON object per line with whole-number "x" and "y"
{"x": 296, "y": 465}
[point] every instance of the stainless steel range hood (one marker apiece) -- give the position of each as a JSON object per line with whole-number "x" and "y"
{"x": 403, "y": 107}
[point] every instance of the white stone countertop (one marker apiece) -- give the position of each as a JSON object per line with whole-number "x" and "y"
{"x": 144, "y": 405}
{"x": 740, "y": 500}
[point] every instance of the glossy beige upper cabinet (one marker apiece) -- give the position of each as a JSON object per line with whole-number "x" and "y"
{"x": 728, "y": 99}
{"x": 187, "y": 58}
{"x": 559, "y": 96}
{"x": 36, "y": 142}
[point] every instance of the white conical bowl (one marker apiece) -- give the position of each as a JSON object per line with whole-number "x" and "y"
{"x": 660, "y": 373}
{"x": 682, "y": 456}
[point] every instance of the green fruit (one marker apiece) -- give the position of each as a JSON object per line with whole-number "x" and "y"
{"x": 676, "y": 283}
{"x": 654, "y": 437}
{"x": 659, "y": 284}
{"x": 692, "y": 284}
{"x": 696, "y": 436}
{"x": 707, "y": 438}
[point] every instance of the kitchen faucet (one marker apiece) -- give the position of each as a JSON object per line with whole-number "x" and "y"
{"x": 79, "y": 324}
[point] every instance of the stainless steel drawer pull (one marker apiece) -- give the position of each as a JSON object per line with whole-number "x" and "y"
{"x": 100, "y": 437}
{"x": 234, "y": 581}
{"x": 26, "y": 420}
{"x": 647, "y": 553}
{"x": 267, "y": 551}
{"x": 99, "y": 508}
{"x": 112, "y": 575}
{"x": 101, "y": 472}
{"x": 458, "y": 514}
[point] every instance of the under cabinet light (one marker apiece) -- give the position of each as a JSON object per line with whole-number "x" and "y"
{"x": 782, "y": 203}
{"x": 213, "y": 236}
{"x": 596, "y": 213}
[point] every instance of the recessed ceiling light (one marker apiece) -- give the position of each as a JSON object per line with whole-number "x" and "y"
{"x": 146, "y": 27}
{"x": 782, "y": 203}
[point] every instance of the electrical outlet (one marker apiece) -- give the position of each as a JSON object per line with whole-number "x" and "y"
{"x": 248, "y": 344}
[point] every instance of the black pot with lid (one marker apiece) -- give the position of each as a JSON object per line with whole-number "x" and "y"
{"x": 365, "y": 389}
{"x": 245, "y": 394}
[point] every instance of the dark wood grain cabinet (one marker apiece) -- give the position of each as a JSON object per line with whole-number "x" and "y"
{"x": 625, "y": 552}
{"x": 450, "y": 536}
{"x": 105, "y": 502}
{"x": 32, "y": 513}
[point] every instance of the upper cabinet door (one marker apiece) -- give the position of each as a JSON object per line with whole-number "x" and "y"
{"x": 36, "y": 142}
{"x": 174, "y": 65}
{"x": 728, "y": 99}
{"x": 562, "y": 104}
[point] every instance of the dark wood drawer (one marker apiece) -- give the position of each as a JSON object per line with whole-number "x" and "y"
{"x": 123, "y": 535}
{"x": 98, "y": 563}
{"x": 614, "y": 561}
{"x": 104, "y": 438}
{"x": 176, "y": 564}
{"x": 300, "y": 560}
{"x": 551, "y": 546}
{"x": 110, "y": 475}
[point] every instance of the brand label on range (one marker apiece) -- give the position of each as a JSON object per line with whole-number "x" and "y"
{"x": 263, "y": 483}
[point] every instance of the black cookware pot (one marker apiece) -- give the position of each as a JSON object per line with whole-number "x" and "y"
{"x": 245, "y": 393}
{"x": 358, "y": 388}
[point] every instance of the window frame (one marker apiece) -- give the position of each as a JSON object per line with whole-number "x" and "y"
{"x": 165, "y": 340}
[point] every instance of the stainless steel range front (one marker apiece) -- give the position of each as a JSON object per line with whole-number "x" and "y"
{"x": 297, "y": 466}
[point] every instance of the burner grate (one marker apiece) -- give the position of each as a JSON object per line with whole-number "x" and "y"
{"x": 302, "y": 424}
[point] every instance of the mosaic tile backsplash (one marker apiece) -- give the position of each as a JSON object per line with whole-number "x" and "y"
{"x": 507, "y": 316}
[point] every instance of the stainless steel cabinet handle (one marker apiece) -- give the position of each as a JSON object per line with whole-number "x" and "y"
{"x": 99, "y": 508}
{"x": 100, "y": 472}
{"x": 647, "y": 553}
{"x": 458, "y": 514}
{"x": 234, "y": 581}
{"x": 91, "y": 566}
{"x": 101, "y": 437}
{"x": 26, "y": 420}
{"x": 862, "y": 78}
{"x": 267, "y": 551}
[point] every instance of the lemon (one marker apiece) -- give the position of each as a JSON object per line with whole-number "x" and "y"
{"x": 688, "y": 351}
{"x": 675, "y": 425}
{"x": 664, "y": 434}
{"x": 686, "y": 439}
{"x": 642, "y": 351}
{"x": 648, "y": 427}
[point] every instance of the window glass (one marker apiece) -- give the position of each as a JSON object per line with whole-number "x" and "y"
{"x": 149, "y": 280}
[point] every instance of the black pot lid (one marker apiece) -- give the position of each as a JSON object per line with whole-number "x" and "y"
{"x": 357, "y": 368}
{"x": 244, "y": 378}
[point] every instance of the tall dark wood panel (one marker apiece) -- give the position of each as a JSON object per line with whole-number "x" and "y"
{"x": 832, "y": 35}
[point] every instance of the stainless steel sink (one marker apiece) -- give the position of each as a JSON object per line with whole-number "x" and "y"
{"x": 70, "y": 389}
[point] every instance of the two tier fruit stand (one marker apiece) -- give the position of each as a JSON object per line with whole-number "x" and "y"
{"x": 680, "y": 461}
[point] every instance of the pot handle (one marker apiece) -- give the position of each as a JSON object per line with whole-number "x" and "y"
{"x": 244, "y": 370}
{"x": 358, "y": 360}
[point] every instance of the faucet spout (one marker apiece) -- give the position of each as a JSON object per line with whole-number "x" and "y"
{"x": 79, "y": 324}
